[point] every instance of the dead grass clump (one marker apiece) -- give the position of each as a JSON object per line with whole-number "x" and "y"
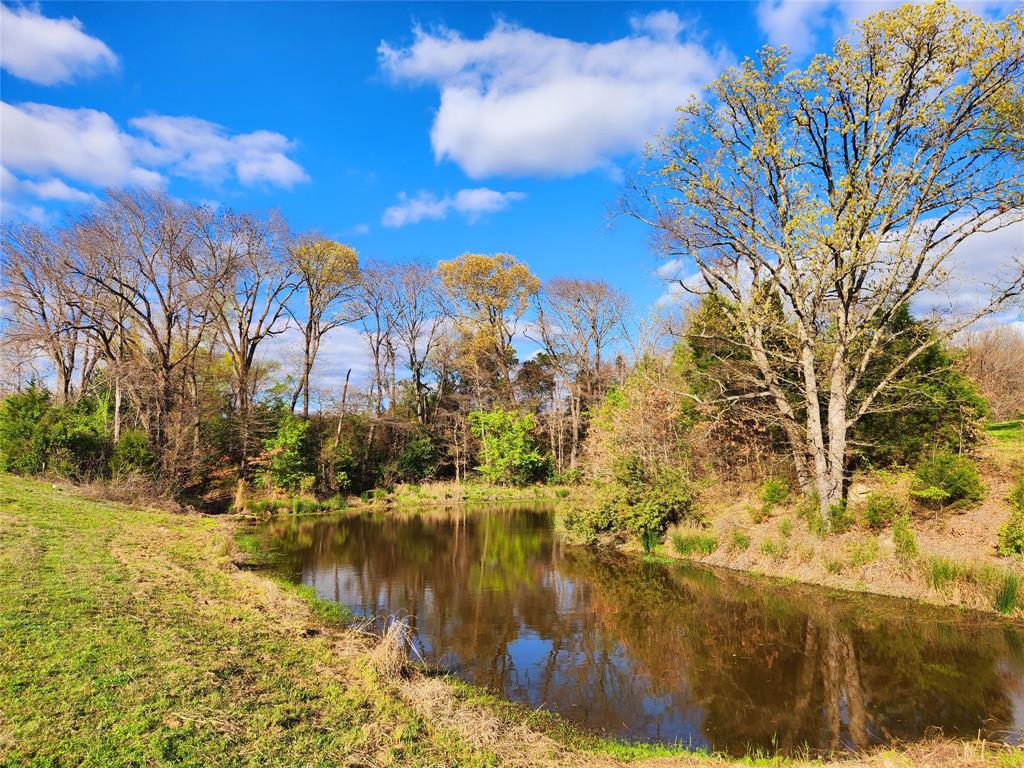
{"x": 391, "y": 657}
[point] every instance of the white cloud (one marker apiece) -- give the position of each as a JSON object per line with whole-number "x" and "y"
{"x": 49, "y": 51}
{"x": 799, "y": 24}
{"x": 521, "y": 102}
{"x": 53, "y": 145}
{"x": 193, "y": 147}
{"x": 470, "y": 203}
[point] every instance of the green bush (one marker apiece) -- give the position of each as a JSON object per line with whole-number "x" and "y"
{"x": 694, "y": 543}
{"x": 290, "y": 462}
{"x": 945, "y": 479}
{"x": 639, "y": 499}
{"x": 509, "y": 453}
{"x": 882, "y": 509}
{"x": 774, "y": 491}
{"x": 903, "y": 538}
{"x": 417, "y": 460}
{"x": 22, "y": 445}
{"x": 131, "y": 454}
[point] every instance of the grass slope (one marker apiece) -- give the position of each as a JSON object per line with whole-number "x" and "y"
{"x": 129, "y": 638}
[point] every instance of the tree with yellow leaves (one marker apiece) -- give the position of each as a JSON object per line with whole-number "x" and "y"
{"x": 818, "y": 203}
{"x": 329, "y": 273}
{"x": 491, "y": 294}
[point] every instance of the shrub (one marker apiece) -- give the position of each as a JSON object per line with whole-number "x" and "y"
{"x": 290, "y": 465}
{"x": 739, "y": 541}
{"x": 882, "y": 509}
{"x": 22, "y": 444}
{"x": 77, "y": 438}
{"x": 639, "y": 499}
{"x": 839, "y": 519}
{"x": 1011, "y": 533}
{"x": 509, "y": 451}
{"x": 903, "y": 538}
{"x": 567, "y": 477}
{"x": 785, "y": 527}
{"x": 945, "y": 479}
{"x": 417, "y": 459}
{"x": 760, "y": 514}
{"x": 561, "y": 493}
{"x": 774, "y": 491}
{"x": 694, "y": 543}
{"x": 131, "y": 453}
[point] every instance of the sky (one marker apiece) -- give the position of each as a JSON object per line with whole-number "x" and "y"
{"x": 408, "y": 130}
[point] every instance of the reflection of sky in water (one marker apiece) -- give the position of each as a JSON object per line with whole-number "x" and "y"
{"x": 671, "y": 654}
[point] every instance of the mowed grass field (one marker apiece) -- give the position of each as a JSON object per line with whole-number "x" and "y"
{"x": 129, "y": 637}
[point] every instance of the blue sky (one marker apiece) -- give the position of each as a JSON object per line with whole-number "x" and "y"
{"x": 407, "y": 130}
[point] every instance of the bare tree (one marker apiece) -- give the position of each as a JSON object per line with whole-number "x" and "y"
{"x": 249, "y": 280}
{"x": 577, "y": 320}
{"x": 994, "y": 360}
{"x": 819, "y": 202}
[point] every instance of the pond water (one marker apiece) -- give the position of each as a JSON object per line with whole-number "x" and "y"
{"x": 667, "y": 653}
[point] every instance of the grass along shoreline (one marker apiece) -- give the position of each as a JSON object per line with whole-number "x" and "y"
{"x": 130, "y": 637}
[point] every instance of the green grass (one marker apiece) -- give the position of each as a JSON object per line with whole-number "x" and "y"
{"x": 694, "y": 543}
{"x": 127, "y": 639}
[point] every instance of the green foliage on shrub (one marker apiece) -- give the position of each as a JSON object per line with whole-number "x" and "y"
{"x": 417, "y": 459}
{"x": 131, "y": 454}
{"x": 71, "y": 440}
{"x": 903, "y": 538}
{"x": 1011, "y": 533}
{"x": 290, "y": 463}
{"x": 945, "y": 479}
{"x": 639, "y": 499}
{"x": 882, "y": 509}
{"x": 22, "y": 444}
{"x": 509, "y": 453}
{"x": 694, "y": 543}
{"x": 774, "y": 491}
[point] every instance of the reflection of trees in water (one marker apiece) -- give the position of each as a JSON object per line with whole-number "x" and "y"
{"x": 655, "y": 652}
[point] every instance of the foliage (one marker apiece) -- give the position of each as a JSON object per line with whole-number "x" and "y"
{"x": 1011, "y": 533}
{"x": 290, "y": 465}
{"x": 774, "y": 491}
{"x": 22, "y": 445}
{"x": 1006, "y": 598}
{"x": 131, "y": 454}
{"x": 882, "y": 509}
{"x": 739, "y": 541}
{"x": 945, "y": 479}
{"x": 639, "y": 499}
{"x": 509, "y": 453}
{"x": 417, "y": 460}
{"x": 773, "y": 548}
{"x": 942, "y": 571}
{"x": 903, "y": 538}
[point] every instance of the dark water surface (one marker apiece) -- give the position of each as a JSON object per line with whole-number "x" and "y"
{"x": 667, "y": 653}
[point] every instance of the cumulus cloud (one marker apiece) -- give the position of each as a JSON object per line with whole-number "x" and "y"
{"x": 525, "y": 103}
{"x": 49, "y": 146}
{"x": 469, "y": 203}
{"x": 49, "y": 51}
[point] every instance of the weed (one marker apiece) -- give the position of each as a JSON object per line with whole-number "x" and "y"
{"x": 649, "y": 540}
{"x": 739, "y": 541}
{"x": 1006, "y": 599}
{"x": 774, "y": 491}
{"x": 561, "y": 493}
{"x": 903, "y": 538}
{"x": 882, "y": 509}
{"x": 942, "y": 572}
{"x": 833, "y": 565}
{"x": 862, "y": 551}
{"x": 694, "y": 543}
{"x": 785, "y": 527}
{"x": 773, "y": 548}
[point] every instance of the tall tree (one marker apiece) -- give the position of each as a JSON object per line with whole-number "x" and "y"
{"x": 328, "y": 274}
{"x": 491, "y": 295}
{"x": 840, "y": 193}
{"x": 250, "y": 281}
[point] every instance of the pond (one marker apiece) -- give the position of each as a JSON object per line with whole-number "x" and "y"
{"x": 662, "y": 653}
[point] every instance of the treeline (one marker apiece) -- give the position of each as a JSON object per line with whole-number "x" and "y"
{"x": 155, "y": 319}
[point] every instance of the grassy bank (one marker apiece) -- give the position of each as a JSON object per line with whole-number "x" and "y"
{"x": 130, "y": 637}
{"x": 944, "y": 557}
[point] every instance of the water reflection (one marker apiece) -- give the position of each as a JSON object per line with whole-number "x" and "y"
{"x": 665, "y": 653}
